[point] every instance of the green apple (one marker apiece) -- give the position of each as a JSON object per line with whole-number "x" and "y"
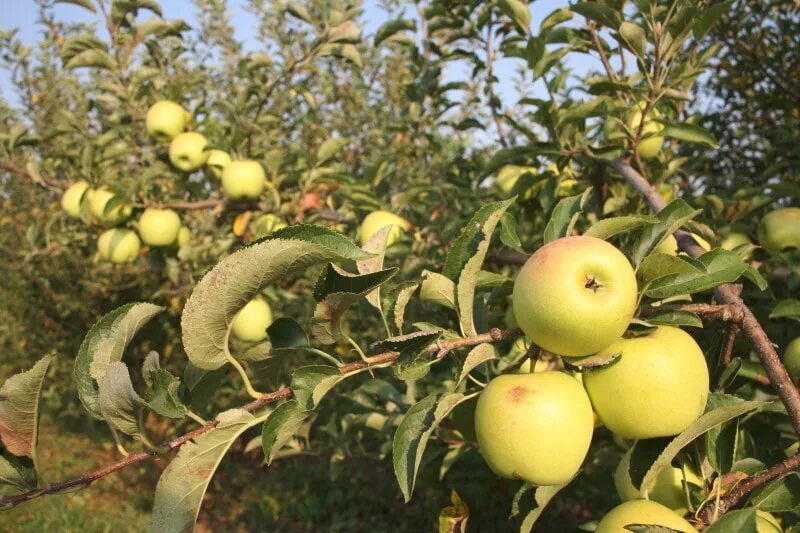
{"x": 669, "y": 245}
{"x": 184, "y": 235}
{"x": 657, "y": 388}
{"x": 766, "y": 523}
{"x": 217, "y": 161}
{"x": 266, "y": 224}
{"x": 187, "y": 151}
{"x": 642, "y": 512}
{"x": 377, "y": 220}
{"x": 575, "y": 295}
{"x": 165, "y": 120}
{"x": 99, "y": 199}
{"x": 119, "y": 245}
{"x": 534, "y": 427}
{"x": 71, "y": 200}
{"x": 667, "y": 489}
{"x": 252, "y": 321}
{"x": 650, "y": 143}
{"x": 791, "y": 358}
{"x": 780, "y": 229}
{"x": 159, "y": 227}
{"x": 734, "y": 240}
{"x": 243, "y": 180}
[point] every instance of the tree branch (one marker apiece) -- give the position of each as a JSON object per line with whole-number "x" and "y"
{"x": 724, "y": 313}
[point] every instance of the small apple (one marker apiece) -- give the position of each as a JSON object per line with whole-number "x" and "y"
{"x": 266, "y": 224}
{"x": 252, "y": 321}
{"x": 217, "y": 161}
{"x": 71, "y": 200}
{"x": 575, "y": 295}
{"x": 187, "y": 151}
{"x": 159, "y": 227}
{"x": 791, "y": 358}
{"x": 766, "y": 523}
{"x": 165, "y": 120}
{"x": 734, "y": 240}
{"x": 669, "y": 245}
{"x": 119, "y": 245}
{"x": 243, "y": 180}
{"x": 650, "y": 143}
{"x": 657, "y": 388}
{"x": 98, "y": 201}
{"x": 642, "y": 512}
{"x": 780, "y": 229}
{"x": 184, "y": 235}
{"x": 534, "y": 427}
{"x": 377, "y": 220}
{"x": 667, "y": 489}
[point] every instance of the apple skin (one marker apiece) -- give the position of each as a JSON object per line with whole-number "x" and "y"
{"x": 642, "y": 512}
{"x": 187, "y": 151}
{"x": 252, "y": 321}
{"x": 650, "y": 143}
{"x": 534, "y": 427}
{"x": 184, "y": 235}
{"x": 656, "y": 389}
{"x": 159, "y": 227}
{"x": 780, "y": 229}
{"x": 266, "y": 224}
{"x": 217, "y": 161}
{"x": 243, "y": 179}
{"x": 555, "y": 308}
{"x": 667, "y": 489}
{"x": 791, "y": 358}
{"x": 165, "y": 120}
{"x": 71, "y": 200}
{"x": 98, "y": 198}
{"x": 376, "y": 221}
{"x": 119, "y": 245}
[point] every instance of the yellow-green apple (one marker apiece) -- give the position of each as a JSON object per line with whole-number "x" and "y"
{"x": 657, "y": 388}
{"x": 266, "y": 224}
{"x": 734, "y": 240}
{"x": 71, "y": 200}
{"x": 217, "y": 161}
{"x": 165, "y": 120}
{"x": 184, "y": 234}
{"x": 791, "y": 358}
{"x": 159, "y": 227}
{"x": 534, "y": 427}
{"x": 766, "y": 523}
{"x": 119, "y": 245}
{"x": 650, "y": 142}
{"x": 187, "y": 151}
{"x": 98, "y": 201}
{"x": 642, "y": 512}
{"x": 252, "y": 321}
{"x": 575, "y": 295}
{"x": 669, "y": 245}
{"x": 377, "y": 220}
{"x": 667, "y": 489}
{"x": 780, "y": 229}
{"x": 243, "y": 179}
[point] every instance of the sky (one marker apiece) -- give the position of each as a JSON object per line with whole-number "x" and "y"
{"x": 22, "y": 14}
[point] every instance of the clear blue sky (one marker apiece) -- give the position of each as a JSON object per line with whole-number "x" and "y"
{"x": 22, "y": 14}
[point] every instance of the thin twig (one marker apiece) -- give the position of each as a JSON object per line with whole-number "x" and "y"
{"x": 730, "y": 339}
{"x": 722, "y": 312}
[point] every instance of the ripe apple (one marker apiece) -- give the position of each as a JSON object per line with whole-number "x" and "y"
{"x": 534, "y": 427}
{"x": 780, "y": 229}
{"x": 266, "y": 224}
{"x": 184, "y": 235}
{"x": 119, "y": 245}
{"x": 243, "y": 179}
{"x": 669, "y": 245}
{"x": 377, "y": 220}
{"x": 657, "y": 388}
{"x": 791, "y": 358}
{"x": 642, "y": 512}
{"x": 165, "y": 120}
{"x": 667, "y": 489}
{"x": 575, "y": 295}
{"x": 253, "y": 320}
{"x": 766, "y": 523}
{"x": 187, "y": 151}
{"x": 217, "y": 161}
{"x": 650, "y": 142}
{"x": 98, "y": 200}
{"x": 71, "y": 201}
{"x": 159, "y": 227}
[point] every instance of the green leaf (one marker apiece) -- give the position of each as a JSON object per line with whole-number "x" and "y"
{"x": 411, "y": 437}
{"x": 286, "y": 333}
{"x": 163, "y": 396}
{"x": 346, "y": 32}
{"x": 281, "y": 425}
{"x": 466, "y": 244}
{"x": 410, "y": 346}
{"x": 86, "y": 4}
{"x": 392, "y": 27}
{"x": 518, "y": 11}
{"x": 508, "y": 233}
{"x": 564, "y": 216}
{"x": 778, "y": 496}
{"x": 376, "y": 245}
{"x": 235, "y": 280}
{"x": 608, "y": 227}
{"x": 634, "y": 36}
{"x": 735, "y": 521}
{"x": 91, "y": 58}
{"x": 311, "y": 383}
{"x": 708, "y": 17}
{"x": 651, "y": 528}
{"x": 526, "y": 508}
{"x": 676, "y": 318}
{"x": 553, "y": 19}
{"x": 788, "y": 308}
{"x": 721, "y": 266}
{"x": 150, "y": 364}
{"x": 598, "y": 12}
{"x": 670, "y": 219}
{"x": 479, "y": 354}
{"x": 300, "y": 12}
{"x": 329, "y": 148}
{"x": 19, "y": 409}
{"x": 104, "y": 344}
{"x": 397, "y": 308}
{"x": 454, "y": 518}
{"x": 721, "y": 441}
{"x": 659, "y": 265}
{"x": 118, "y": 402}
{"x": 690, "y": 133}
{"x": 183, "y": 484}
{"x": 438, "y": 289}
